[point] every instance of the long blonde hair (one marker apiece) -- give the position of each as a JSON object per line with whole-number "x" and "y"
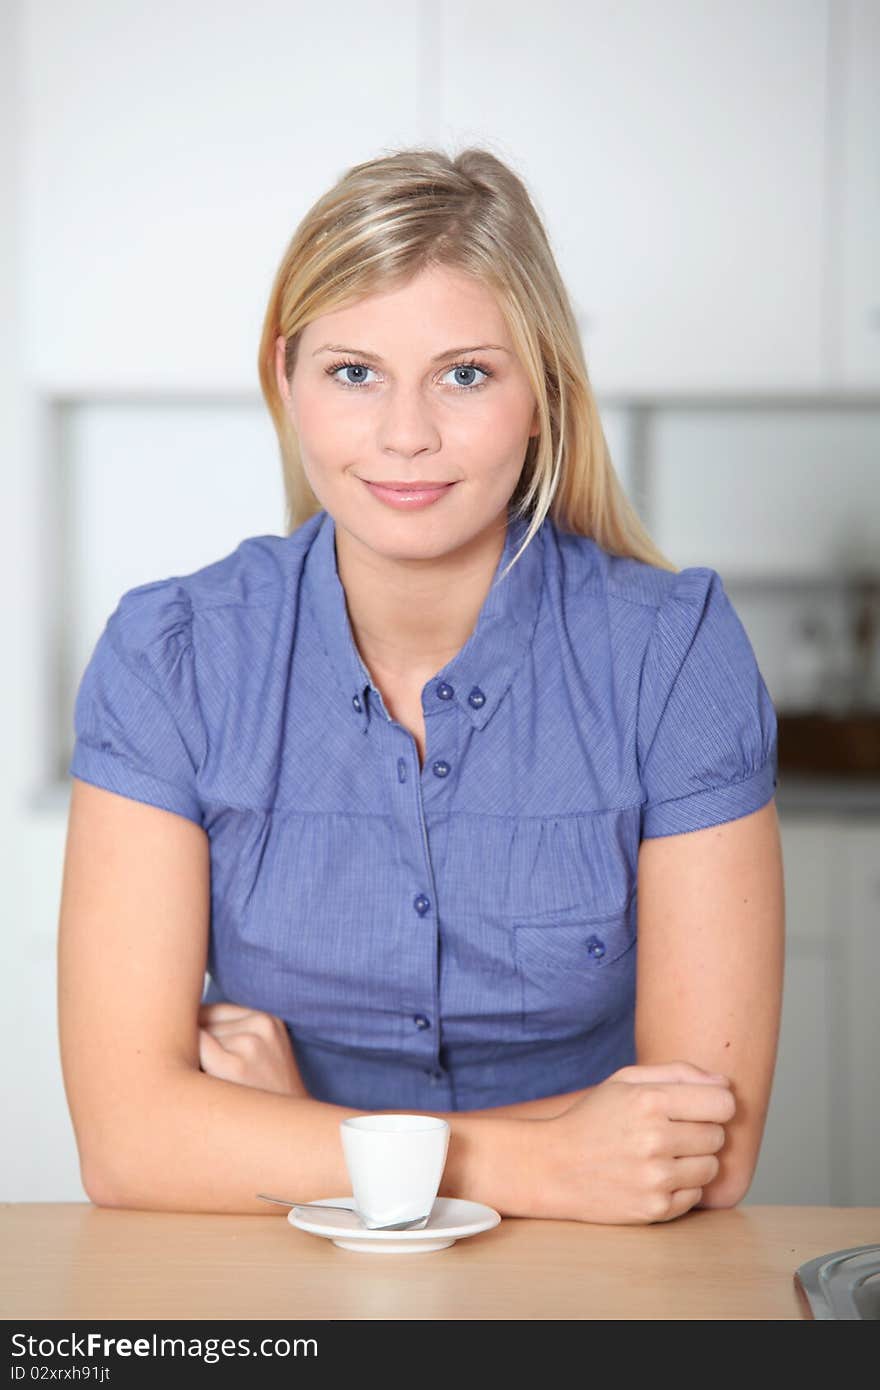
{"x": 385, "y": 221}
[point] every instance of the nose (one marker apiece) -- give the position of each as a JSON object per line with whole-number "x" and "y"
{"x": 406, "y": 424}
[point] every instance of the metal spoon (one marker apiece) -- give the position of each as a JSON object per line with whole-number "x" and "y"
{"x": 415, "y": 1225}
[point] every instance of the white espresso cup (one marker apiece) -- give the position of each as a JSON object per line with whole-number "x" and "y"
{"x": 395, "y": 1163}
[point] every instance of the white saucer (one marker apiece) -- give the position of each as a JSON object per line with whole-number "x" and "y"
{"x": 451, "y": 1218}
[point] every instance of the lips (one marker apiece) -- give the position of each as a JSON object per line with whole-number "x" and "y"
{"x": 408, "y": 496}
{"x": 406, "y": 487}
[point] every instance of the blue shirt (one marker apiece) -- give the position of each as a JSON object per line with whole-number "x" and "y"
{"x": 461, "y": 935}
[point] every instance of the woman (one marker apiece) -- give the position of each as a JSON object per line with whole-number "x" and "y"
{"x": 413, "y": 780}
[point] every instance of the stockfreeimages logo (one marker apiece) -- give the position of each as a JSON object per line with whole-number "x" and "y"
{"x": 94, "y": 1346}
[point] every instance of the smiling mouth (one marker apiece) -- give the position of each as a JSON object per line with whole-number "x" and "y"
{"x": 407, "y": 487}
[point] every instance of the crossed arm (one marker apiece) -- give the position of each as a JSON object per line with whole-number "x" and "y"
{"x": 709, "y": 976}
{"x": 133, "y": 934}
{"x": 711, "y": 926}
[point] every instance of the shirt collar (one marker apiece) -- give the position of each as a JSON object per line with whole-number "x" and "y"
{"x": 477, "y": 678}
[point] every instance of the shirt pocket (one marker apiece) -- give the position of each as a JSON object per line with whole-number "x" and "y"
{"x": 576, "y": 969}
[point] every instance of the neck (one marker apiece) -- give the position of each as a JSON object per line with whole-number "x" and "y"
{"x": 409, "y": 618}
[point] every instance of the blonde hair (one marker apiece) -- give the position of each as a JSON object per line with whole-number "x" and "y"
{"x": 384, "y": 222}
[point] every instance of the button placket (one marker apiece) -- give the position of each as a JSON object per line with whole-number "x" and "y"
{"x": 444, "y": 691}
{"x": 440, "y": 768}
{"x": 420, "y": 977}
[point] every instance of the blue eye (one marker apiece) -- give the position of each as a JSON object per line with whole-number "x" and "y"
{"x": 347, "y": 366}
{"x": 335, "y": 367}
{"x": 470, "y": 367}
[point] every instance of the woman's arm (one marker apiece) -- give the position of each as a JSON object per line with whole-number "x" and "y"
{"x": 212, "y": 1145}
{"x": 711, "y": 946}
{"x": 544, "y": 1108}
{"x": 152, "y": 1130}
{"x": 253, "y": 1048}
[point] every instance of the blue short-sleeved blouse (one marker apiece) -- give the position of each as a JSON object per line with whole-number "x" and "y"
{"x": 461, "y": 935}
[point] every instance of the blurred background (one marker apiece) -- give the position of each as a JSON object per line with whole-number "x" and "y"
{"x": 709, "y": 174}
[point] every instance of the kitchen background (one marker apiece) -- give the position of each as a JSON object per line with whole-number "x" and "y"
{"x": 709, "y": 173}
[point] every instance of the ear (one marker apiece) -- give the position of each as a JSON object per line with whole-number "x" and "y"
{"x": 280, "y": 376}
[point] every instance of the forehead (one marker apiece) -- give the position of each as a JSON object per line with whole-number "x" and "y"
{"x": 433, "y": 310}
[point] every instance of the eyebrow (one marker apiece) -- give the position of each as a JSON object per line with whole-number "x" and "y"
{"x": 440, "y": 356}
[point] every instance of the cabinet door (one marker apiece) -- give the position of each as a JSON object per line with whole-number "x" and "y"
{"x": 677, "y": 154}
{"x": 860, "y": 1017}
{"x": 854, "y": 206}
{"x": 168, "y": 155}
{"x": 796, "y": 1165}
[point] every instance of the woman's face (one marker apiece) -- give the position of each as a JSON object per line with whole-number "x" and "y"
{"x": 409, "y": 410}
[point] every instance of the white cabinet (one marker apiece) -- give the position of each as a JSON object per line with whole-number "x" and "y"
{"x": 706, "y": 172}
{"x": 166, "y": 160}
{"x": 795, "y": 1162}
{"x": 854, "y": 196}
{"x": 802, "y": 485}
{"x": 677, "y": 154}
{"x": 822, "y": 1137}
{"x": 859, "y": 1017}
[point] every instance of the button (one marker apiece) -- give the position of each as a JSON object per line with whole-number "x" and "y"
{"x": 357, "y": 703}
{"x": 421, "y": 1022}
{"x": 596, "y": 946}
{"x": 476, "y": 698}
{"x": 421, "y": 904}
{"x": 440, "y": 769}
{"x": 401, "y": 769}
{"x": 444, "y": 691}
{"x": 433, "y": 1074}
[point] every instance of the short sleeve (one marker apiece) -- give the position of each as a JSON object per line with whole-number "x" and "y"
{"x": 707, "y": 732}
{"x": 136, "y": 716}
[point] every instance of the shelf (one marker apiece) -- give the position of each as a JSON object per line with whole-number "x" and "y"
{"x": 828, "y": 796}
{"x": 827, "y": 745}
{"x": 840, "y": 581}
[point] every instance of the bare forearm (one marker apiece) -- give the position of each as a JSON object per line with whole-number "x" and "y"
{"x": 544, "y": 1108}
{"x": 202, "y": 1144}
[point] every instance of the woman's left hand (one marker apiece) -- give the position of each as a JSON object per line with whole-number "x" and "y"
{"x": 249, "y": 1047}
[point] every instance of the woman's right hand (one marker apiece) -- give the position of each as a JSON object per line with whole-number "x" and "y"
{"x": 638, "y": 1148}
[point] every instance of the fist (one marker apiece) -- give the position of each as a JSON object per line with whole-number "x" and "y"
{"x": 249, "y": 1047}
{"x": 638, "y": 1147}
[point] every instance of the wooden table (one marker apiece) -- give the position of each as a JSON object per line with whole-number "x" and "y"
{"x": 76, "y": 1261}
